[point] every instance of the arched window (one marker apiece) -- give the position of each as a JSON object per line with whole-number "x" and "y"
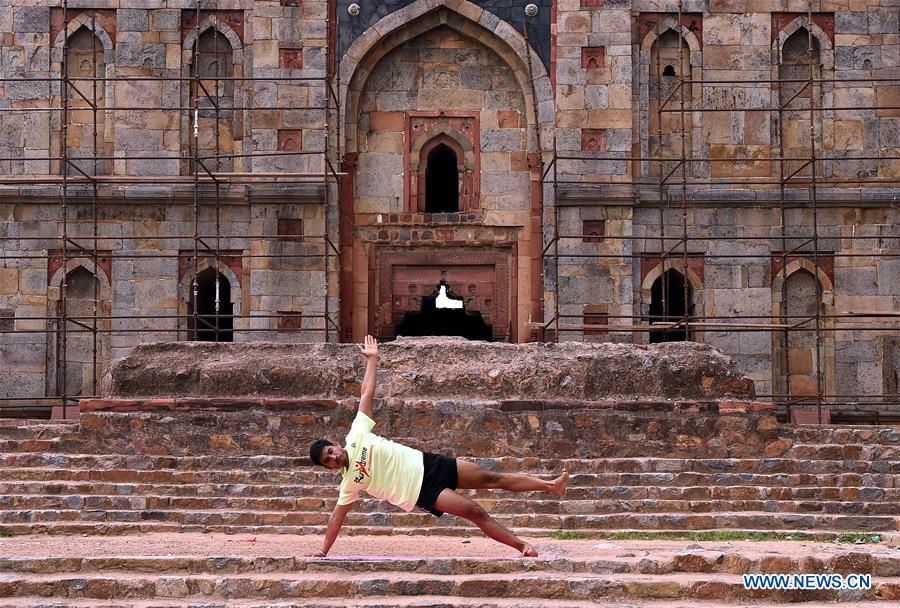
{"x": 799, "y": 347}
{"x": 214, "y": 308}
{"x": 442, "y": 181}
{"x": 796, "y": 95}
{"x": 75, "y": 355}
{"x": 213, "y": 64}
{"x": 85, "y": 61}
{"x": 668, "y": 304}
{"x": 670, "y": 61}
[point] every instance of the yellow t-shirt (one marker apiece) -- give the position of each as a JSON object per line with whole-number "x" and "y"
{"x": 382, "y": 468}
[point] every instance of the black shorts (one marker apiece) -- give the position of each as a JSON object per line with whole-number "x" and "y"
{"x": 440, "y": 474}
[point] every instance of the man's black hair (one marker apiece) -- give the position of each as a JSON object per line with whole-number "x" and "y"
{"x": 315, "y": 450}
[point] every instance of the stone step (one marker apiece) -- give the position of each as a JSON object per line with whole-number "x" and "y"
{"x": 112, "y": 529}
{"x": 527, "y": 586}
{"x": 868, "y": 435}
{"x": 417, "y": 601}
{"x": 46, "y": 430}
{"x": 776, "y": 490}
{"x": 496, "y": 505}
{"x": 664, "y": 519}
{"x": 301, "y": 466}
{"x": 27, "y": 444}
{"x": 848, "y": 451}
{"x": 810, "y": 451}
{"x": 731, "y": 560}
{"x": 322, "y": 483}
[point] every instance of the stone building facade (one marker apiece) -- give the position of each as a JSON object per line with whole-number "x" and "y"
{"x": 532, "y": 169}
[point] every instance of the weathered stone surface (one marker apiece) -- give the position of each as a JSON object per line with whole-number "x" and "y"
{"x": 430, "y": 367}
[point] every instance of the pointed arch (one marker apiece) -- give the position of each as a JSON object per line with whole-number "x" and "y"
{"x": 77, "y": 350}
{"x": 823, "y": 92}
{"x": 787, "y": 379}
{"x": 825, "y": 44}
{"x": 467, "y": 18}
{"x": 466, "y": 166}
{"x": 232, "y": 94}
{"x": 83, "y": 20}
{"x": 694, "y": 119}
{"x": 105, "y": 95}
{"x": 185, "y": 295}
{"x": 696, "y": 305}
{"x": 211, "y": 22}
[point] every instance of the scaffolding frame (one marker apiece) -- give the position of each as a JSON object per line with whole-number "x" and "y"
{"x": 201, "y": 175}
{"x": 678, "y": 245}
{"x": 73, "y": 179}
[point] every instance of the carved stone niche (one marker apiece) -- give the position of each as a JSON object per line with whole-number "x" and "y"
{"x": 593, "y": 140}
{"x": 289, "y": 321}
{"x": 290, "y": 140}
{"x": 593, "y": 57}
{"x": 457, "y": 130}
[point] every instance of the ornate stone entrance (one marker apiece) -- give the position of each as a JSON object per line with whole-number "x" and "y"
{"x": 405, "y": 282}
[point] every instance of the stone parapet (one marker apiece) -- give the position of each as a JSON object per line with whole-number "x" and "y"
{"x": 430, "y": 368}
{"x": 539, "y": 428}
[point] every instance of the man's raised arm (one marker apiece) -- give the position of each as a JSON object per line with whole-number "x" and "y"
{"x": 370, "y": 350}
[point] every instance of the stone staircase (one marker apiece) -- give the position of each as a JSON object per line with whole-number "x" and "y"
{"x": 578, "y": 574}
{"x": 830, "y": 480}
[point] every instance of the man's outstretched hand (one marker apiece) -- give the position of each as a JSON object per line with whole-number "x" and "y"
{"x": 369, "y": 348}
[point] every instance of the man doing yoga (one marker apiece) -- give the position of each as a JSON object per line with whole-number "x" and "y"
{"x": 408, "y": 478}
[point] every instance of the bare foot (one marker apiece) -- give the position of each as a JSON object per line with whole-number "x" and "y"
{"x": 529, "y": 551}
{"x": 559, "y": 484}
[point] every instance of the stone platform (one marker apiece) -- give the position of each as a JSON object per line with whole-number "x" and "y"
{"x": 213, "y": 570}
{"x": 569, "y": 400}
{"x": 430, "y": 367}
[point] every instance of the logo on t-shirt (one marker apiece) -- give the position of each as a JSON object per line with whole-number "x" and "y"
{"x": 361, "y": 466}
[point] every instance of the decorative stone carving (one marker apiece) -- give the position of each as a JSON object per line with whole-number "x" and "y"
{"x": 593, "y": 140}
{"x": 290, "y": 59}
{"x": 593, "y": 57}
{"x": 290, "y": 229}
{"x": 290, "y": 140}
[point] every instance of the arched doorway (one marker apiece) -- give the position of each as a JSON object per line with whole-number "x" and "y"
{"x": 75, "y": 355}
{"x": 214, "y": 308}
{"x": 668, "y": 304}
{"x": 441, "y": 181}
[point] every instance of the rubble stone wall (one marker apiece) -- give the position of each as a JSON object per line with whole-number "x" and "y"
{"x": 536, "y": 428}
{"x": 429, "y": 368}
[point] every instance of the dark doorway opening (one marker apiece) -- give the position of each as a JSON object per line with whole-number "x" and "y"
{"x": 667, "y": 303}
{"x": 435, "y": 319}
{"x": 210, "y": 327}
{"x": 441, "y": 181}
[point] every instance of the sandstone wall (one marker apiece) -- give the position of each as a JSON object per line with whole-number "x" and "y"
{"x": 600, "y": 58}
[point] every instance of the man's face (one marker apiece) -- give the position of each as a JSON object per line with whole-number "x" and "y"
{"x": 334, "y": 457}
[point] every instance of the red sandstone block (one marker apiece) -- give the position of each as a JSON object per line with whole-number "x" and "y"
{"x": 734, "y": 407}
{"x": 319, "y": 404}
